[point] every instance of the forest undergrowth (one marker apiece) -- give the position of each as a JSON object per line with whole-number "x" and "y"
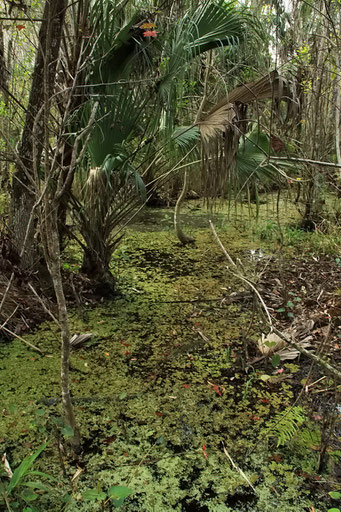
{"x": 174, "y": 398}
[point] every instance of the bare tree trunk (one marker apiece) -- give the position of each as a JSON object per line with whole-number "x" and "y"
{"x": 338, "y": 108}
{"x": 184, "y": 239}
{"x": 31, "y": 146}
{"x": 50, "y": 238}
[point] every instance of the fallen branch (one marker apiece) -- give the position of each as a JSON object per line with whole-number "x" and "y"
{"x": 306, "y": 161}
{"x": 238, "y": 469}
{"x": 321, "y": 362}
{"x": 239, "y": 275}
{"x": 21, "y": 339}
{"x": 45, "y": 308}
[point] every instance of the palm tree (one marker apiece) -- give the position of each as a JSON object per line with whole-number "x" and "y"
{"x": 221, "y": 130}
{"x": 137, "y": 83}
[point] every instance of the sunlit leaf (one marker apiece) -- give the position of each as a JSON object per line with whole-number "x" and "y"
{"x": 147, "y": 25}
{"x": 94, "y": 495}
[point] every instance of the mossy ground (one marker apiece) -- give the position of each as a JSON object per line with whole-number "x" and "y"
{"x": 161, "y": 389}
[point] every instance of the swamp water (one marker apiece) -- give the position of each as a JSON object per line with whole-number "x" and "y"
{"x": 160, "y": 391}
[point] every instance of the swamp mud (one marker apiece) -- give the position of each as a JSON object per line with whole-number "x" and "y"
{"x": 174, "y": 399}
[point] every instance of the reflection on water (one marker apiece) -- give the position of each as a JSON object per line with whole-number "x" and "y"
{"x": 159, "y": 219}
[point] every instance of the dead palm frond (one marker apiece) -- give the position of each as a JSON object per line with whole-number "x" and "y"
{"x": 226, "y": 122}
{"x": 216, "y": 122}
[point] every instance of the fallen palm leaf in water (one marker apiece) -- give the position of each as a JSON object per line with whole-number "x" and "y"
{"x": 79, "y": 339}
{"x": 272, "y": 344}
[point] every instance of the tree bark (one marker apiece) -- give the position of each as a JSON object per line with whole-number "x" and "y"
{"x": 184, "y": 239}
{"x": 31, "y": 146}
{"x": 50, "y": 239}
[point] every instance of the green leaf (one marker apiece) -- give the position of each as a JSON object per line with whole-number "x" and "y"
{"x": 118, "y": 493}
{"x": 22, "y": 470}
{"x": 67, "y": 431}
{"x": 265, "y": 377}
{"x": 335, "y": 495}
{"x": 275, "y": 360}
{"x": 333, "y": 510}
{"x": 122, "y": 395}
{"x": 28, "y": 495}
{"x": 94, "y": 495}
{"x": 280, "y": 310}
{"x": 40, "y": 412}
{"x": 291, "y": 315}
{"x": 66, "y": 498}
{"x": 58, "y": 421}
{"x": 36, "y": 485}
{"x": 290, "y": 304}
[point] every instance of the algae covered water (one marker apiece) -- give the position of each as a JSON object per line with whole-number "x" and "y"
{"x": 164, "y": 392}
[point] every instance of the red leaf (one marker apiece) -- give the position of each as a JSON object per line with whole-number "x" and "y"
{"x": 20, "y": 27}
{"x": 159, "y": 413}
{"x": 265, "y": 400}
{"x": 150, "y": 33}
{"x": 186, "y": 386}
{"x": 216, "y": 389}
{"x": 276, "y": 143}
{"x": 109, "y": 440}
{"x": 276, "y": 457}
{"x": 124, "y": 343}
{"x": 317, "y": 417}
{"x": 255, "y": 418}
{"x": 204, "y": 452}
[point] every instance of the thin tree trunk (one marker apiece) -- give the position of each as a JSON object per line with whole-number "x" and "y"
{"x": 30, "y": 149}
{"x": 50, "y": 238}
{"x": 338, "y": 108}
{"x": 184, "y": 239}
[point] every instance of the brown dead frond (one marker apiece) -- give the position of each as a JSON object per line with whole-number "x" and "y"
{"x": 216, "y": 122}
{"x": 222, "y": 127}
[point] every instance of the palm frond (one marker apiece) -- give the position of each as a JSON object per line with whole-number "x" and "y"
{"x": 215, "y": 123}
{"x": 116, "y": 122}
{"x": 117, "y": 44}
{"x": 223, "y": 126}
{"x": 213, "y": 26}
{"x": 272, "y": 86}
{"x": 210, "y": 26}
{"x": 185, "y": 137}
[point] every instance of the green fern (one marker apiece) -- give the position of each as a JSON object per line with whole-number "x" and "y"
{"x": 285, "y": 425}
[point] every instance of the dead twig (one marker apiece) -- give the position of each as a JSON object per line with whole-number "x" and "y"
{"x": 289, "y": 340}
{"x": 8, "y": 319}
{"x": 21, "y": 339}
{"x": 238, "y": 469}
{"x": 45, "y": 308}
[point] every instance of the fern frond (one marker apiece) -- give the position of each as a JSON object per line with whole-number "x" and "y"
{"x": 285, "y": 425}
